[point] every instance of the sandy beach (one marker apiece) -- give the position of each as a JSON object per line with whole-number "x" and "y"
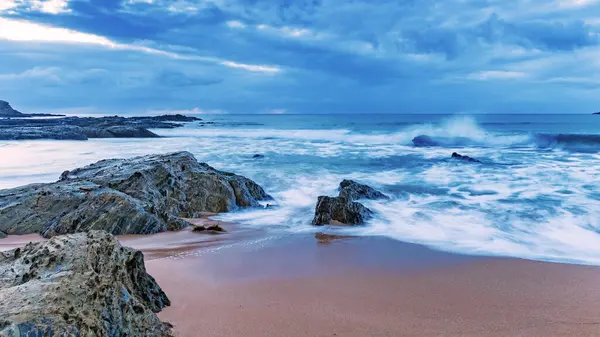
{"x": 250, "y": 284}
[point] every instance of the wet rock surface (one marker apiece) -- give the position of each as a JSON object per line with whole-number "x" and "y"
{"x": 351, "y": 190}
{"x": 83, "y": 284}
{"x": 140, "y": 195}
{"x": 464, "y": 158}
{"x": 344, "y": 209}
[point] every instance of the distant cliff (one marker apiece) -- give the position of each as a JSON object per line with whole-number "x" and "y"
{"x": 7, "y": 111}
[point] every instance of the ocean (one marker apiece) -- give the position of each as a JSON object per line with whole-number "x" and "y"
{"x": 535, "y": 194}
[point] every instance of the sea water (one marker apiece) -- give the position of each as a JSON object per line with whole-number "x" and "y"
{"x": 535, "y": 194}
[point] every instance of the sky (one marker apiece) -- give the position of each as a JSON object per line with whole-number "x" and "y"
{"x": 300, "y": 56}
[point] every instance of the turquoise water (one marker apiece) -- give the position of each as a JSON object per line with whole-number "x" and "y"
{"x": 535, "y": 195}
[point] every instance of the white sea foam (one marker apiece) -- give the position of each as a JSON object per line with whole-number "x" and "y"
{"x": 521, "y": 202}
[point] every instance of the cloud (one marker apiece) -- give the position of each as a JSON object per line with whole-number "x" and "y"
{"x": 248, "y": 56}
{"x": 17, "y": 30}
{"x": 192, "y": 111}
{"x": 565, "y": 36}
{"x": 490, "y": 75}
{"x": 179, "y": 79}
{"x": 252, "y": 67}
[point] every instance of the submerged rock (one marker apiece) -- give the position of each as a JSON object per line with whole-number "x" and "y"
{"x": 424, "y": 141}
{"x": 344, "y": 209}
{"x": 140, "y": 195}
{"x": 464, "y": 158}
{"x": 83, "y": 284}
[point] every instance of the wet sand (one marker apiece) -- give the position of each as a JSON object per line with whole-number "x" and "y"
{"x": 307, "y": 285}
{"x": 251, "y": 283}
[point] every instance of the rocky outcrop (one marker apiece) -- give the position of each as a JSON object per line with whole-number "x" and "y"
{"x": 140, "y": 195}
{"x": 83, "y": 284}
{"x": 330, "y": 209}
{"x": 424, "y": 140}
{"x": 171, "y": 118}
{"x": 344, "y": 209}
{"x": 464, "y": 158}
{"x": 351, "y": 190}
{"x": 76, "y": 128}
{"x": 7, "y": 111}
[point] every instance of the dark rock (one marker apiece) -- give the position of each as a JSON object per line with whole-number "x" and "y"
{"x": 213, "y": 228}
{"x": 120, "y": 131}
{"x": 6, "y": 111}
{"x": 258, "y": 156}
{"x": 424, "y": 141}
{"x": 352, "y": 190}
{"x": 83, "y": 284}
{"x": 464, "y": 158}
{"x": 344, "y": 209}
{"x": 77, "y": 128}
{"x": 173, "y": 118}
{"x": 140, "y": 195}
{"x": 339, "y": 209}
{"x": 198, "y": 228}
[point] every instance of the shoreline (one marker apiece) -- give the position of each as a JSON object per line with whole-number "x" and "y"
{"x": 296, "y": 286}
{"x": 249, "y": 282}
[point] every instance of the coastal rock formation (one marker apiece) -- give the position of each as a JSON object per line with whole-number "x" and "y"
{"x": 464, "y": 158}
{"x": 339, "y": 209}
{"x": 344, "y": 208}
{"x": 424, "y": 141}
{"x": 140, "y": 195}
{"x": 7, "y": 111}
{"x": 83, "y": 284}
{"x": 351, "y": 190}
{"x": 76, "y": 128}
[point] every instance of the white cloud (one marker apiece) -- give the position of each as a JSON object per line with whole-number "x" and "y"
{"x": 51, "y": 6}
{"x": 235, "y": 24}
{"x": 252, "y": 67}
{"x": 24, "y": 31}
{"x": 6, "y": 5}
{"x": 496, "y": 75}
{"x": 576, "y": 3}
